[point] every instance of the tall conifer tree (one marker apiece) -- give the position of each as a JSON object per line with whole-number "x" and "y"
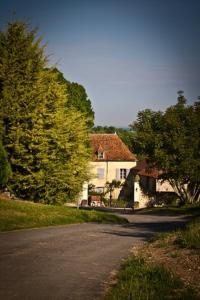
{"x": 46, "y": 141}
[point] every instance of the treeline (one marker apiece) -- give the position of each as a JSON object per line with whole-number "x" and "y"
{"x": 44, "y": 122}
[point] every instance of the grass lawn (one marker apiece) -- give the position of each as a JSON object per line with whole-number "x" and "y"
{"x": 166, "y": 268}
{"x": 23, "y": 214}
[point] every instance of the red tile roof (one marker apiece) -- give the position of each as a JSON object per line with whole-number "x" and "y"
{"x": 143, "y": 169}
{"x": 112, "y": 147}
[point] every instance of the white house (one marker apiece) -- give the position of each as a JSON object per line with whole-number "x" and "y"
{"x": 111, "y": 159}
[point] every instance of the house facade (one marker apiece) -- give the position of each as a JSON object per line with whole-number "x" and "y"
{"x": 111, "y": 160}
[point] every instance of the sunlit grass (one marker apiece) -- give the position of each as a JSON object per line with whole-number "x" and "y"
{"x": 21, "y": 214}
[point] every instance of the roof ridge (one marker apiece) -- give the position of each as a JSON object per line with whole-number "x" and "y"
{"x": 113, "y": 145}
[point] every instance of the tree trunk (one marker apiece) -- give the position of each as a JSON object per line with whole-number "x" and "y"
{"x": 187, "y": 193}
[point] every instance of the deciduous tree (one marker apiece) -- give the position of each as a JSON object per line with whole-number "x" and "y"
{"x": 171, "y": 142}
{"x": 111, "y": 186}
{"x": 77, "y": 98}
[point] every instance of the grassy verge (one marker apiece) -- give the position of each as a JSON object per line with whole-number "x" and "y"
{"x": 190, "y": 237}
{"x": 186, "y": 238}
{"x": 139, "y": 281}
{"x": 21, "y": 214}
{"x": 167, "y": 268}
{"x": 174, "y": 210}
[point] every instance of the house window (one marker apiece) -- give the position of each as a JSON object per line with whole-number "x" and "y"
{"x": 123, "y": 173}
{"x": 100, "y": 173}
{"x": 100, "y": 155}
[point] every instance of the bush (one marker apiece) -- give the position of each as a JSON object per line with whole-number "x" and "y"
{"x": 118, "y": 203}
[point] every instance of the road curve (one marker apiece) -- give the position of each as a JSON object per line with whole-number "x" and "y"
{"x": 71, "y": 262}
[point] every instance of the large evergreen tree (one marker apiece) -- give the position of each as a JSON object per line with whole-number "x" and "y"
{"x": 5, "y": 170}
{"x": 45, "y": 139}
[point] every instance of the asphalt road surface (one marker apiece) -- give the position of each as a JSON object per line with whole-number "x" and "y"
{"x": 71, "y": 262}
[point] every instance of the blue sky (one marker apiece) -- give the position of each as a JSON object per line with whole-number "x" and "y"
{"x": 129, "y": 55}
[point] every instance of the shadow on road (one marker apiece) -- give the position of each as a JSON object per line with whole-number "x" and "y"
{"x": 146, "y": 230}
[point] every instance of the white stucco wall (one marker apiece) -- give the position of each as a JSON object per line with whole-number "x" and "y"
{"x": 163, "y": 187}
{"x": 83, "y": 195}
{"x": 143, "y": 199}
{"x": 110, "y": 172}
{"x": 139, "y": 197}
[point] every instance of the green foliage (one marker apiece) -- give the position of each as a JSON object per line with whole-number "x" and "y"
{"x": 190, "y": 237}
{"x": 118, "y": 203}
{"x": 5, "y": 170}
{"x": 104, "y": 129}
{"x": 170, "y": 141}
{"x": 111, "y": 186}
{"x": 77, "y": 98}
{"x": 126, "y": 135}
{"x": 22, "y": 214}
{"x": 140, "y": 281}
{"x": 46, "y": 140}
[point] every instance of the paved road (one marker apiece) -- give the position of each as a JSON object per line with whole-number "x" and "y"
{"x": 70, "y": 262}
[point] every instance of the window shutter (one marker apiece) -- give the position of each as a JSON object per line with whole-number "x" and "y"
{"x": 100, "y": 173}
{"x": 118, "y": 174}
{"x": 127, "y": 172}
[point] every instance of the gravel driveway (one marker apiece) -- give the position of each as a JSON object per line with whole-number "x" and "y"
{"x": 73, "y": 261}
